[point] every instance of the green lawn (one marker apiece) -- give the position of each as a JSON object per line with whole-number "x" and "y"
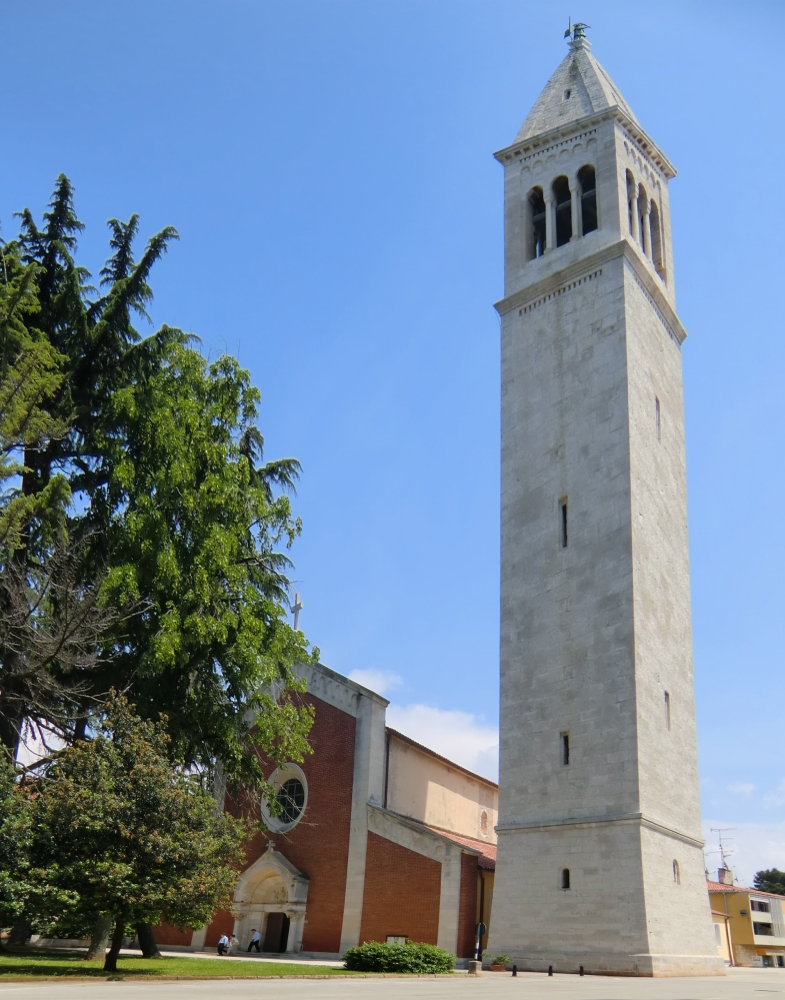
{"x": 32, "y": 962}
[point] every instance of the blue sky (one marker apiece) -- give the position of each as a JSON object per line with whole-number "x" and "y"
{"x": 328, "y": 166}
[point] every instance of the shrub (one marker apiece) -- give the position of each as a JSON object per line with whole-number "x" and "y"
{"x": 373, "y": 956}
{"x": 501, "y": 960}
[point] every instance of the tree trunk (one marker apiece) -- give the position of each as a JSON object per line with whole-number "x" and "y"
{"x": 147, "y": 941}
{"x": 100, "y": 939}
{"x": 110, "y": 963}
{"x": 20, "y": 932}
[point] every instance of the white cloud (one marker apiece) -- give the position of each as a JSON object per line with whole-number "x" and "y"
{"x": 459, "y": 736}
{"x": 754, "y": 846}
{"x": 380, "y": 681}
{"x": 741, "y": 788}
{"x": 777, "y": 797}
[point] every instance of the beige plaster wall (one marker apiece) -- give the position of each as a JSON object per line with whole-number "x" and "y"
{"x": 428, "y": 790}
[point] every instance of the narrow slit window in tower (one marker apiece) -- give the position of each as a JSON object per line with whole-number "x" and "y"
{"x": 537, "y": 229}
{"x": 563, "y": 198}
{"x": 657, "y": 417}
{"x": 565, "y": 878}
{"x": 676, "y": 873}
{"x": 667, "y": 710}
{"x": 563, "y": 521}
{"x": 588, "y": 184}
{"x": 565, "y": 749}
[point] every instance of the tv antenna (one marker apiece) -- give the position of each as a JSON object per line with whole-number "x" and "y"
{"x": 724, "y": 853}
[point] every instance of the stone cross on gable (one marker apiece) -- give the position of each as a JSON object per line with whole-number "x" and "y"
{"x": 297, "y": 607}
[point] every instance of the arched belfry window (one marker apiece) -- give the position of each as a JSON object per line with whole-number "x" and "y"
{"x": 632, "y": 205}
{"x": 588, "y": 183}
{"x": 563, "y": 205}
{"x": 536, "y": 227}
{"x": 656, "y": 238}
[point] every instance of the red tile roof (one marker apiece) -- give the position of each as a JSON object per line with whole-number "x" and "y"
{"x": 487, "y": 859}
{"x": 721, "y": 887}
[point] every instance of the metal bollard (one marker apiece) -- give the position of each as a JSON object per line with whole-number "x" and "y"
{"x": 515, "y": 970}
{"x": 550, "y": 970}
{"x": 581, "y": 972}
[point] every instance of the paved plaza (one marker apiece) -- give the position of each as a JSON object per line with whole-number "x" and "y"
{"x": 739, "y": 984}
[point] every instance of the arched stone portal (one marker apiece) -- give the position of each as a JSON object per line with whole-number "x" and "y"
{"x": 271, "y": 896}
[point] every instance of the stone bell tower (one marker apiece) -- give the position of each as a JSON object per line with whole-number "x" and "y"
{"x": 600, "y": 858}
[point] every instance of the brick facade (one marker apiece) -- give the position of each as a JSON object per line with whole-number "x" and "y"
{"x": 319, "y": 845}
{"x": 165, "y": 934}
{"x": 402, "y": 893}
{"x": 222, "y": 923}
{"x": 467, "y": 911}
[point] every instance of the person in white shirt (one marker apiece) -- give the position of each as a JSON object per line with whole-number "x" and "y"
{"x": 256, "y": 938}
{"x": 234, "y": 944}
{"x": 223, "y": 944}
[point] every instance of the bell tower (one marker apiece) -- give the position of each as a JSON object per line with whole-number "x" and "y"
{"x": 600, "y": 858}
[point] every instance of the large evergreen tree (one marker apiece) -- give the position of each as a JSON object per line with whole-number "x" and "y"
{"x": 139, "y": 479}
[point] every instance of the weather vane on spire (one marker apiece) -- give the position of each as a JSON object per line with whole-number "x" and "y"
{"x": 576, "y": 31}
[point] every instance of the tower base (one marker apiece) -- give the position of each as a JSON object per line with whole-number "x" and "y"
{"x": 611, "y": 964}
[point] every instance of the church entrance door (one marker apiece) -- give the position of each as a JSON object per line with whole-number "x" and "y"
{"x": 276, "y": 933}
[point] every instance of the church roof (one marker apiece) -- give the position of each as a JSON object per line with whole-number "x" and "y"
{"x": 579, "y": 87}
{"x": 487, "y": 852}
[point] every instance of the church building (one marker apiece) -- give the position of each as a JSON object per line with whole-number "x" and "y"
{"x": 379, "y": 839}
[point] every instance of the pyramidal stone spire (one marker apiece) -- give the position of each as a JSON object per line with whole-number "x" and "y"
{"x": 580, "y": 87}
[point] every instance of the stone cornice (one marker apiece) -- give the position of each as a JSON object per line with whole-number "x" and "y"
{"x": 335, "y": 689}
{"x": 636, "y": 133}
{"x": 621, "y": 819}
{"x": 586, "y": 265}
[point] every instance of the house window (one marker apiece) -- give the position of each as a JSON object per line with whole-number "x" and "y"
{"x": 764, "y": 930}
{"x": 484, "y": 823}
{"x": 667, "y": 710}
{"x": 760, "y": 906}
{"x": 565, "y": 748}
{"x": 397, "y": 939}
{"x": 676, "y": 873}
{"x": 565, "y": 878}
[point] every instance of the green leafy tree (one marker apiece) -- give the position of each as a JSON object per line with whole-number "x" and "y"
{"x": 132, "y": 836}
{"x": 198, "y": 540}
{"x": 770, "y": 880}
